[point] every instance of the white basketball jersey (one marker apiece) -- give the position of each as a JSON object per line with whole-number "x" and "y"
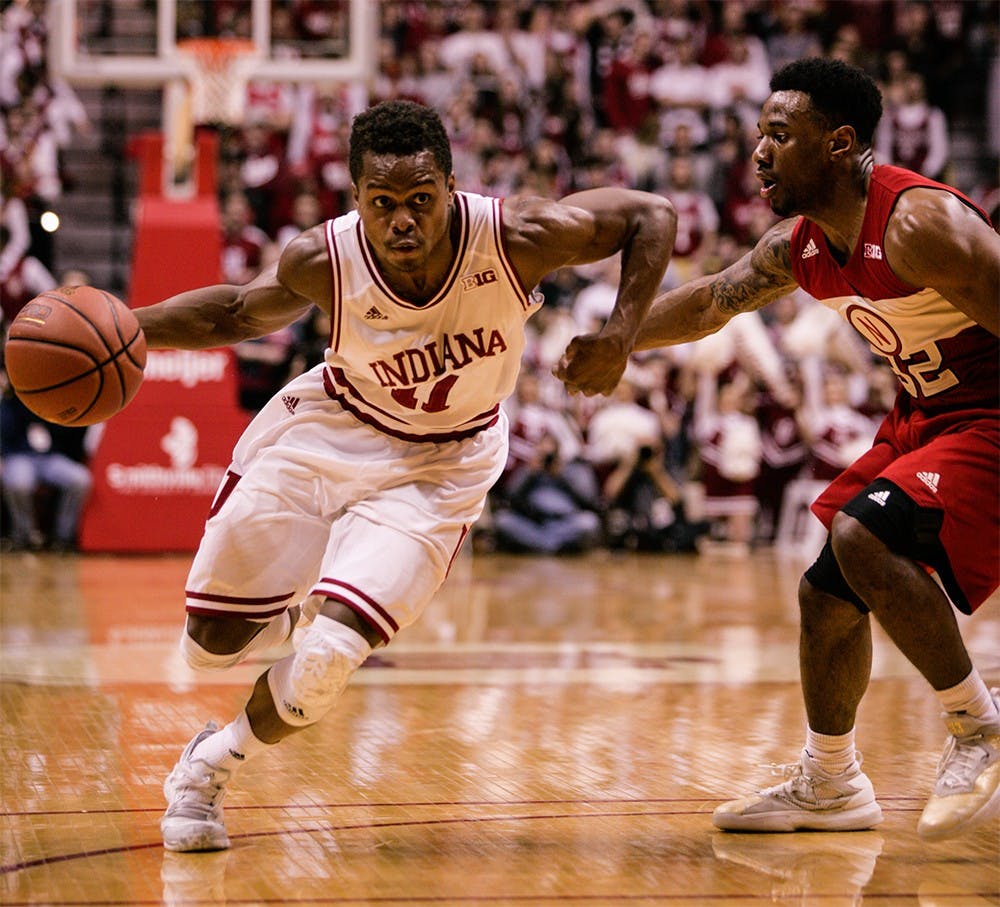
{"x": 432, "y": 372}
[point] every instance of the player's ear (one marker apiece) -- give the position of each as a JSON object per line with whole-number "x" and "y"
{"x": 354, "y": 193}
{"x": 842, "y": 141}
{"x": 450, "y": 183}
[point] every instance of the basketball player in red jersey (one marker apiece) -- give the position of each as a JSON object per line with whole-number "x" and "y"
{"x": 352, "y": 490}
{"x": 914, "y": 266}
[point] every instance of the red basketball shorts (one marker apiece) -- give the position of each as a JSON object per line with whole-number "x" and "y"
{"x": 949, "y": 462}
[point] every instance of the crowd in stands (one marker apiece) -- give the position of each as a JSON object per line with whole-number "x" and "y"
{"x": 700, "y": 443}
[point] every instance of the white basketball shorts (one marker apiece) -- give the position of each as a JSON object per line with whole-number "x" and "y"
{"x": 318, "y": 505}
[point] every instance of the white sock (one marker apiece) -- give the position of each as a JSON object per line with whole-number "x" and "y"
{"x": 232, "y": 746}
{"x": 970, "y": 696}
{"x": 834, "y": 753}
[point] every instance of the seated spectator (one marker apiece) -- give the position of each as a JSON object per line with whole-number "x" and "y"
{"x": 645, "y": 508}
{"x": 550, "y": 506}
{"x": 35, "y": 453}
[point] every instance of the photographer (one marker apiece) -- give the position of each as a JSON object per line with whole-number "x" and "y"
{"x": 551, "y": 506}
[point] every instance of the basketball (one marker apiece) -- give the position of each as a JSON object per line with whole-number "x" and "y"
{"x": 75, "y": 355}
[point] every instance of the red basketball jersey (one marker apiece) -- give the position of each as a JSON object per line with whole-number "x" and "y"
{"x": 943, "y": 359}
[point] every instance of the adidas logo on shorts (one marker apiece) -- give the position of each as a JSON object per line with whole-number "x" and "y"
{"x": 930, "y": 479}
{"x": 879, "y": 497}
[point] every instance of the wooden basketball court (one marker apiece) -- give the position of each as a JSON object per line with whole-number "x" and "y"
{"x": 553, "y": 731}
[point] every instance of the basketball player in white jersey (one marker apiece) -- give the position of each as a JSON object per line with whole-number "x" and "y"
{"x": 353, "y": 489}
{"x": 914, "y": 266}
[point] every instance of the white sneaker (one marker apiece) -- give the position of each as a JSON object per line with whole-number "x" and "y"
{"x": 809, "y": 798}
{"x": 967, "y": 792}
{"x": 194, "y": 792}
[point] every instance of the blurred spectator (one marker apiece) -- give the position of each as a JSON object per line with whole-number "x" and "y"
{"x": 697, "y": 221}
{"x": 263, "y": 175}
{"x": 22, "y": 282}
{"x": 627, "y": 99}
{"x": 730, "y": 449}
{"x": 794, "y": 35}
{"x": 683, "y": 90}
{"x": 243, "y": 242}
{"x": 37, "y": 454}
{"x": 15, "y": 225}
{"x": 784, "y": 454}
{"x": 643, "y": 157}
{"x": 645, "y": 507}
{"x": 306, "y": 213}
{"x": 549, "y": 506}
{"x": 912, "y": 133}
{"x": 837, "y": 431}
{"x": 618, "y": 428}
{"x": 263, "y": 367}
{"x": 534, "y": 423}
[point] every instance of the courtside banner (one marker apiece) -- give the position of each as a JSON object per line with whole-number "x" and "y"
{"x": 160, "y": 461}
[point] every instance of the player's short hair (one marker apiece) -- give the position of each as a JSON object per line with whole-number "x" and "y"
{"x": 840, "y": 93}
{"x": 401, "y": 128}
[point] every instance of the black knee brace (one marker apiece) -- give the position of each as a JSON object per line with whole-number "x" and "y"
{"x": 825, "y": 575}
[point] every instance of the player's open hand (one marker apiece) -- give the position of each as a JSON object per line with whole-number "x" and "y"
{"x": 592, "y": 364}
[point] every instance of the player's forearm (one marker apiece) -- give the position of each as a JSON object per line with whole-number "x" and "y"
{"x": 645, "y": 257}
{"x": 194, "y": 320}
{"x": 681, "y": 315}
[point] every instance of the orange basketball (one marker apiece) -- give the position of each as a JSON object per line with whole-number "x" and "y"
{"x": 75, "y": 355}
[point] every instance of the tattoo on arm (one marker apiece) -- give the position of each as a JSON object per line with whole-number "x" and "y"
{"x": 761, "y": 276}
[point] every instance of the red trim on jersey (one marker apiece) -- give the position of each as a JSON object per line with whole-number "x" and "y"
{"x": 369, "y": 619}
{"x": 361, "y": 613}
{"x": 225, "y": 490}
{"x": 463, "y": 246}
{"x": 336, "y": 284}
{"x": 504, "y": 255}
{"x": 329, "y": 374}
{"x": 458, "y": 547}
{"x": 237, "y": 599}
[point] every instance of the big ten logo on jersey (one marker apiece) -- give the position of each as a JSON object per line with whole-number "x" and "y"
{"x": 479, "y": 279}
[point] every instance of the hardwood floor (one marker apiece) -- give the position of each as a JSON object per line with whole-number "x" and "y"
{"x": 552, "y": 731}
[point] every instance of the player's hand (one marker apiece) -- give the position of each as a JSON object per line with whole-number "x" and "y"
{"x": 592, "y": 364}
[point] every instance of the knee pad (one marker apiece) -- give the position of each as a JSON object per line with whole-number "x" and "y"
{"x": 825, "y": 575}
{"x": 305, "y": 685}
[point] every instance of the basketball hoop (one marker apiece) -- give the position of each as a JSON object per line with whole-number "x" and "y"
{"x": 218, "y": 72}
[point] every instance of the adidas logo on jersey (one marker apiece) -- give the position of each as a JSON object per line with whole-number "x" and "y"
{"x": 879, "y": 497}
{"x": 873, "y": 251}
{"x": 290, "y": 402}
{"x": 930, "y": 479}
{"x": 810, "y": 250}
{"x": 373, "y": 314}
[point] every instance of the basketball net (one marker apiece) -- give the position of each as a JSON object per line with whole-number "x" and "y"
{"x": 213, "y": 92}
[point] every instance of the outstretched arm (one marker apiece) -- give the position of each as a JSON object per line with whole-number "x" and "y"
{"x": 224, "y": 314}
{"x": 702, "y": 306}
{"x": 543, "y": 236}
